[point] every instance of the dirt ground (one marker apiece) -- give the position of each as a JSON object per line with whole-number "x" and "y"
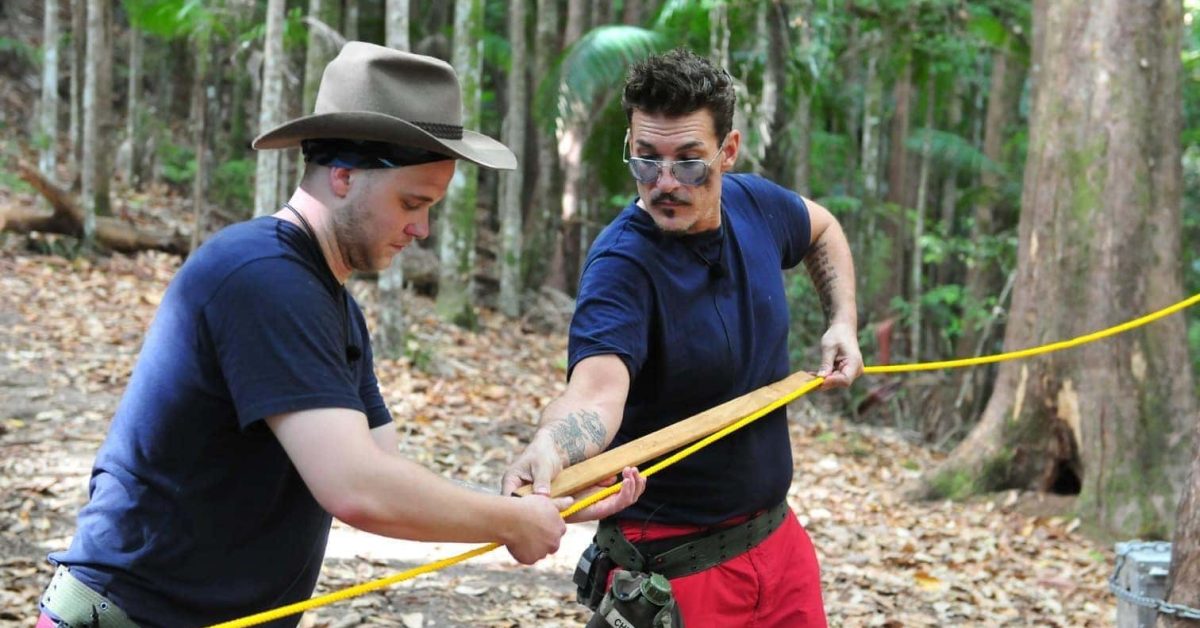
{"x": 70, "y": 331}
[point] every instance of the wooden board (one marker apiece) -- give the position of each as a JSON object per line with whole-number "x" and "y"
{"x": 675, "y": 436}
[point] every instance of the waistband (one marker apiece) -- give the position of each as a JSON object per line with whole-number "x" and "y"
{"x": 685, "y": 555}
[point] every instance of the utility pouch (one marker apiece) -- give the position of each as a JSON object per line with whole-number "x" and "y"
{"x": 637, "y": 600}
{"x": 591, "y": 576}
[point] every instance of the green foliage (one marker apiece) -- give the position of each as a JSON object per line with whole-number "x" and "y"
{"x": 592, "y": 67}
{"x": 178, "y": 163}
{"x": 233, "y": 184}
{"x": 19, "y": 49}
{"x": 950, "y": 150}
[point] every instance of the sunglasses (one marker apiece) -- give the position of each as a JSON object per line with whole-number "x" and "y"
{"x": 690, "y": 172}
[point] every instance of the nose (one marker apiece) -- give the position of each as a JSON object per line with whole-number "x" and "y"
{"x": 420, "y": 228}
{"x": 666, "y": 179}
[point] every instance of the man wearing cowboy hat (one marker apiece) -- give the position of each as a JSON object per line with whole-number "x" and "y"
{"x": 253, "y": 413}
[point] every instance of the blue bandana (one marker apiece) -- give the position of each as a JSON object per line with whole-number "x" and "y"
{"x": 366, "y": 154}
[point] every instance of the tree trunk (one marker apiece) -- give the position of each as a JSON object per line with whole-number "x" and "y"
{"x": 97, "y": 112}
{"x": 390, "y": 337}
{"x": 632, "y": 13}
{"x": 510, "y": 185}
{"x": 350, "y": 23}
{"x": 67, "y": 215}
{"x": 266, "y": 174}
{"x": 48, "y": 131}
{"x": 78, "y": 63}
{"x": 891, "y": 237}
{"x": 199, "y": 131}
{"x": 319, "y": 51}
{"x": 543, "y": 220}
{"x": 133, "y": 120}
{"x": 573, "y": 130}
{"x": 397, "y": 25}
{"x": 919, "y": 226}
{"x": 1099, "y": 244}
{"x": 456, "y": 238}
{"x": 771, "y": 24}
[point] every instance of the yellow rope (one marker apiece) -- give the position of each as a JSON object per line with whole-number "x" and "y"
{"x": 808, "y": 387}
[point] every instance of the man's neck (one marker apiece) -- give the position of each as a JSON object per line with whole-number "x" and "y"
{"x": 306, "y": 207}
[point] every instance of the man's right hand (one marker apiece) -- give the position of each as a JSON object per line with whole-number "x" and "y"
{"x": 536, "y": 529}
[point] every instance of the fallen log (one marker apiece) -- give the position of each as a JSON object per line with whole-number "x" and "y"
{"x": 66, "y": 217}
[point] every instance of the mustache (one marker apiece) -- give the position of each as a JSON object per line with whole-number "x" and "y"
{"x": 667, "y": 197}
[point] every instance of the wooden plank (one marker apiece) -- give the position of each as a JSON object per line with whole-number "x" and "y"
{"x": 675, "y": 436}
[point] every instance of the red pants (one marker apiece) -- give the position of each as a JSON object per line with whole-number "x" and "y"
{"x": 776, "y": 584}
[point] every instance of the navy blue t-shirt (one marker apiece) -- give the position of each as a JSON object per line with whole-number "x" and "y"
{"x": 698, "y": 320}
{"x": 196, "y": 514}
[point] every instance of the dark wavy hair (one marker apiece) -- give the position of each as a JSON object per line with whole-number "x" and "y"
{"x": 678, "y": 83}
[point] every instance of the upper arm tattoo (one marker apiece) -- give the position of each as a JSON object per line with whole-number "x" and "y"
{"x": 574, "y": 432}
{"x": 824, "y": 275}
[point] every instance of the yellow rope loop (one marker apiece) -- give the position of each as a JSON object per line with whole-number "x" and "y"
{"x": 367, "y": 587}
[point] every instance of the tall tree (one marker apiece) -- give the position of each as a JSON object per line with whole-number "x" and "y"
{"x": 78, "y": 56}
{"x": 199, "y": 114}
{"x": 396, "y": 20}
{"x": 133, "y": 119}
{"x": 543, "y": 219}
{"x": 48, "y": 131}
{"x": 270, "y": 112}
{"x": 510, "y": 185}
{"x": 574, "y": 126}
{"x": 389, "y": 337}
{"x": 97, "y": 115}
{"x": 1098, "y": 244}
{"x": 456, "y": 237}
{"x": 323, "y": 16}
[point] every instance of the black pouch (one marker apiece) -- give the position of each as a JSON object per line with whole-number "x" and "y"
{"x": 591, "y": 576}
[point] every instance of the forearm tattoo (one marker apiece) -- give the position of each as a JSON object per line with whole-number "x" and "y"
{"x": 824, "y": 275}
{"x": 574, "y": 432}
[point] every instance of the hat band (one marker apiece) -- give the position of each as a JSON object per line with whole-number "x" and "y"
{"x": 441, "y": 131}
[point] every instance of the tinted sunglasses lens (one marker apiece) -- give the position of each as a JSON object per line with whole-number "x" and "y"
{"x": 645, "y": 171}
{"x": 690, "y": 172}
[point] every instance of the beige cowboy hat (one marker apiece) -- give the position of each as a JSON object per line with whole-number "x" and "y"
{"x": 373, "y": 93}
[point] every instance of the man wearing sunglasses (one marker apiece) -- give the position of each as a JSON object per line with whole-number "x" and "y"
{"x": 681, "y": 307}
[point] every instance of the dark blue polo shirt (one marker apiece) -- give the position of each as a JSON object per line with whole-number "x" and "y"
{"x": 196, "y": 514}
{"x": 699, "y": 320}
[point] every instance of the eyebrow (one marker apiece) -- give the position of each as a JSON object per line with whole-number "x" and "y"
{"x": 679, "y": 149}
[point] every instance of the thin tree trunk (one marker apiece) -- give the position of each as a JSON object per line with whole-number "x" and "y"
{"x": 544, "y": 219}
{"x": 1099, "y": 244}
{"x": 632, "y": 13}
{"x": 919, "y": 227}
{"x": 510, "y": 184}
{"x": 350, "y": 25}
{"x": 397, "y": 25}
{"x": 718, "y": 34}
{"x": 97, "y": 111}
{"x": 319, "y": 52}
{"x": 572, "y": 133}
{"x": 48, "y": 131}
{"x": 78, "y": 71}
{"x": 390, "y": 336}
{"x": 133, "y": 120}
{"x": 199, "y": 131}
{"x": 266, "y": 177}
{"x": 456, "y": 238}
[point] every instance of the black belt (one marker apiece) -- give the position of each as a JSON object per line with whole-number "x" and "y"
{"x": 693, "y": 553}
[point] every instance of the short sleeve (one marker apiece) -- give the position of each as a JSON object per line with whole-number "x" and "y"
{"x": 368, "y": 386}
{"x": 786, "y": 215}
{"x": 279, "y": 337}
{"x": 612, "y": 313}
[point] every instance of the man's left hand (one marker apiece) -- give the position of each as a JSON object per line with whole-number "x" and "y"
{"x": 841, "y": 359}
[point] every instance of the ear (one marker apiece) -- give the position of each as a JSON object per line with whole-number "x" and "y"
{"x": 733, "y": 143}
{"x": 339, "y": 181}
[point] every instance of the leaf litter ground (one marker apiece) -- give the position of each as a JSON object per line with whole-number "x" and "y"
{"x": 464, "y": 403}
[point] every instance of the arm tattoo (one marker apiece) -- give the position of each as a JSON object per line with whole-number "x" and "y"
{"x": 574, "y": 432}
{"x": 824, "y": 275}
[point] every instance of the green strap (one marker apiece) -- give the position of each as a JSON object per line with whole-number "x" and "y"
{"x": 73, "y": 602}
{"x": 696, "y": 555}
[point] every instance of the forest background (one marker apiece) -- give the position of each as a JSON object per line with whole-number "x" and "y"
{"x": 949, "y": 137}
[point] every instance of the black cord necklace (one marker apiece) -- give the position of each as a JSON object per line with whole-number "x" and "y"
{"x": 353, "y": 351}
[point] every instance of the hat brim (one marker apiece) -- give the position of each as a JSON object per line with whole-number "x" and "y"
{"x": 378, "y": 127}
